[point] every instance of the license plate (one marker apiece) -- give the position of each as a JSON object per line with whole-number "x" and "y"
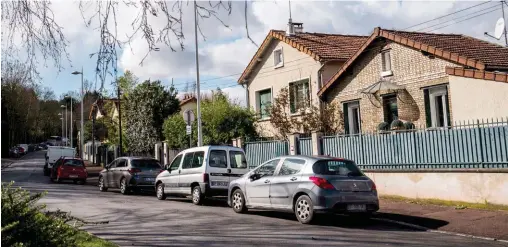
{"x": 356, "y": 207}
{"x": 150, "y": 179}
{"x": 73, "y": 176}
{"x": 220, "y": 183}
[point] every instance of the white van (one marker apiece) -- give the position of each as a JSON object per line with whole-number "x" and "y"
{"x": 54, "y": 153}
{"x": 201, "y": 172}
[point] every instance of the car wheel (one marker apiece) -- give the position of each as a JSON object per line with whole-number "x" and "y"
{"x": 81, "y": 181}
{"x": 58, "y": 179}
{"x": 102, "y": 186}
{"x": 304, "y": 210}
{"x": 123, "y": 187}
{"x": 160, "y": 192}
{"x": 46, "y": 171}
{"x": 197, "y": 197}
{"x": 238, "y": 202}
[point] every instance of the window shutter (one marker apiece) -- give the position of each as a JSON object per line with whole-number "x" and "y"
{"x": 292, "y": 106}
{"x": 426, "y": 99}
{"x": 346, "y": 119}
{"x": 447, "y": 105}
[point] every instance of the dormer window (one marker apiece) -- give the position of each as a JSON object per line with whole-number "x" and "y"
{"x": 278, "y": 58}
{"x": 386, "y": 63}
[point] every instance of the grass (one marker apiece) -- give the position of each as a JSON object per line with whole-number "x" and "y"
{"x": 85, "y": 239}
{"x": 456, "y": 204}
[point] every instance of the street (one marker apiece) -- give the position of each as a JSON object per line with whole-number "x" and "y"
{"x": 142, "y": 220}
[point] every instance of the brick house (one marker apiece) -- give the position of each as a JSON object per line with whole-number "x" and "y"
{"x": 298, "y": 60}
{"x": 403, "y": 75}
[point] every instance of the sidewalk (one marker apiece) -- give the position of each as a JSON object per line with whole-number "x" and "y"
{"x": 92, "y": 169}
{"x": 476, "y": 222}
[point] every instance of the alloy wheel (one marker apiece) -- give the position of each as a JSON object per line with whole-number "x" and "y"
{"x": 303, "y": 209}
{"x": 237, "y": 201}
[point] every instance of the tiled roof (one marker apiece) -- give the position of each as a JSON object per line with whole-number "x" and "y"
{"x": 187, "y": 99}
{"x": 320, "y": 46}
{"x": 492, "y": 55}
{"x": 460, "y": 49}
{"x": 477, "y": 74}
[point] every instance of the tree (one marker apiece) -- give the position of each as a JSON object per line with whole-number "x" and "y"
{"x": 32, "y": 29}
{"x": 147, "y": 106}
{"x": 279, "y": 115}
{"x": 175, "y": 132}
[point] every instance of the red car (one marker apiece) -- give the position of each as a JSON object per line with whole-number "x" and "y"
{"x": 69, "y": 168}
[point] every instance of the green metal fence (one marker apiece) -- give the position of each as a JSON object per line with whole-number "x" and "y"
{"x": 467, "y": 145}
{"x": 259, "y": 152}
{"x": 305, "y": 146}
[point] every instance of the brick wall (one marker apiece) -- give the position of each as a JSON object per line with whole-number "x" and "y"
{"x": 411, "y": 69}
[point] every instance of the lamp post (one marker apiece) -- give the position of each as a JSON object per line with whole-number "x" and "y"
{"x": 61, "y": 118}
{"x": 65, "y": 107}
{"x": 82, "y": 99}
{"x": 71, "y": 122}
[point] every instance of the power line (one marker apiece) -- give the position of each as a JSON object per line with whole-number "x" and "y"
{"x": 465, "y": 20}
{"x": 440, "y": 17}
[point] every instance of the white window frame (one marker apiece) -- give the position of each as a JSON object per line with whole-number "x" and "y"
{"x": 297, "y": 112}
{"x": 433, "y": 93}
{"x": 384, "y": 72}
{"x": 258, "y": 100}
{"x": 275, "y": 58}
{"x": 350, "y": 107}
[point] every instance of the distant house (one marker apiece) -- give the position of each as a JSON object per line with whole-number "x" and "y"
{"x": 425, "y": 78}
{"x": 298, "y": 60}
{"x": 100, "y": 111}
{"x": 188, "y": 105}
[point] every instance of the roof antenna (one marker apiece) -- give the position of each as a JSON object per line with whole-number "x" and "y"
{"x": 290, "y": 31}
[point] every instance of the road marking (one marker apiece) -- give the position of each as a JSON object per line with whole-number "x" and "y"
{"x": 437, "y": 231}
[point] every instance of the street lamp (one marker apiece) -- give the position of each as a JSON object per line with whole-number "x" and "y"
{"x": 65, "y": 107}
{"x": 82, "y": 99}
{"x": 72, "y": 123}
{"x": 61, "y": 118}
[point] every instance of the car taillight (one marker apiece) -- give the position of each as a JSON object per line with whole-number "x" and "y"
{"x": 322, "y": 183}
{"x": 373, "y": 187}
{"x": 205, "y": 177}
{"x": 134, "y": 170}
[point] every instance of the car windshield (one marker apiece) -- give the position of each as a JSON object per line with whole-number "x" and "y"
{"x": 73, "y": 162}
{"x": 336, "y": 167}
{"x": 146, "y": 164}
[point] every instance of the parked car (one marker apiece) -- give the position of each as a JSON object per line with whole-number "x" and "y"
{"x": 202, "y": 172}
{"x": 305, "y": 185}
{"x": 14, "y": 152}
{"x": 25, "y": 148}
{"x": 69, "y": 168}
{"x": 54, "y": 153}
{"x": 129, "y": 174}
{"x": 21, "y": 150}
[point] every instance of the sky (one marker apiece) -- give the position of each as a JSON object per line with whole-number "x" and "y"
{"x": 226, "y": 51}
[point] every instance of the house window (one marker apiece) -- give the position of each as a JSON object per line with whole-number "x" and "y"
{"x": 386, "y": 63}
{"x": 436, "y": 107}
{"x": 352, "y": 124}
{"x": 278, "y": 58}
{"x": 264, "y": 102}
{"x": 390, "y": 109}
{"x": 299, "y": 95}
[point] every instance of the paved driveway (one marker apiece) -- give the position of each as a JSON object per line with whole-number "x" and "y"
{"x": 142, "y": 220}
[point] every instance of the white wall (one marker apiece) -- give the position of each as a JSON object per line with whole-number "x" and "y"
{"x": 473, "y": 99}
{"x": 454, "y": 186}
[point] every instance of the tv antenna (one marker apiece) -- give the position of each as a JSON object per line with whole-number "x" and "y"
{"x": 500, "y": 28}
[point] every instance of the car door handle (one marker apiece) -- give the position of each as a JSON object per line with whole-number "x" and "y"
{"x": 267, "y": 181}
{"x": 293, "y": 179}
{"x": 179, "y": 171}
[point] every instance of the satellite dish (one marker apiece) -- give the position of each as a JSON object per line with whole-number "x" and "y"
{"x": 499, "y": 30}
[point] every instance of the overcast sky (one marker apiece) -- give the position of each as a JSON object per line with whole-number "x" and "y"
{"x": 227, "y": 51}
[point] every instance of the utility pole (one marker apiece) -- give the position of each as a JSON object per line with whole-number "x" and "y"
{"x": 119, "y": 120}
{"x": 198, "y": 96}
{"x": 93, "y": 132}
{"x": 505, "y": 31}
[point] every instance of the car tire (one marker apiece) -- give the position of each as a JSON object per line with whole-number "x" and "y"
{"x": 304, "y": 209}
{"x": 238, "y": 201}
{"x": 124, "y": 189}
{"x": 362, "y": 216}
{"x": 102, "y": 186}
{"x": 81, "y": 181}
{"x": 160, "y": 191}
{"x": 197, "y": 196}
{"x": 46, "y": 171}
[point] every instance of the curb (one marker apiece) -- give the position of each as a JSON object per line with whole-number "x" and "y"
{"x": 7, "y": 166}
{"x": 437, "y": 231}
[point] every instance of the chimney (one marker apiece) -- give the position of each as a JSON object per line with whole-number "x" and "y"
{"x": 291, "y": 30}
{"x": 298, "y": 27}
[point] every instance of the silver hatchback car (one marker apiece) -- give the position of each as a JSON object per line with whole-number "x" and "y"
{"x": 305, "y": 185}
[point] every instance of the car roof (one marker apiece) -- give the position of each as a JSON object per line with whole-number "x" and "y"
{"x": 208, "y": 147}
{"x": 70, "y": 157}
{"x": 311, "y": 158}
{"x": 136, "y": 158}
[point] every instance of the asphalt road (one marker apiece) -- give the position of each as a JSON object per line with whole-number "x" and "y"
{"x": 142, "y": 220}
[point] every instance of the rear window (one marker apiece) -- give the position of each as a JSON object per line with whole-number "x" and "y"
{"x": 218, "y": 158}
{"x": 237, "y": 159}
{"x": 336, "y": 167}
{"x": 148, "y": 163}
{"x": 73, "y": 163}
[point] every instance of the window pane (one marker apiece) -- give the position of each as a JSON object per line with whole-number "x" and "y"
{"x": 121, "y": 163}
{"x": 176, "y": 163}
{"x": 336, "y": 167}
{"x": 197, "y": 159}
{"x": 390, "y": 108}
{"x": 74, "y": 163}
{"x": 237, "y": 159}
{"x": 386, "y": 63}
{"x": 265, "y": 100}
{"x": 291, "y": 166}
{"x": 440, "y": 111}
{"x": 187, "y": 161}
{"x": 267, "y": 169}
{"x": 299, "y": 95}
{"x": 218, "y": 158}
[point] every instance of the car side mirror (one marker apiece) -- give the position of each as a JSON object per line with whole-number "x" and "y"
{"x": 254, "y": 176}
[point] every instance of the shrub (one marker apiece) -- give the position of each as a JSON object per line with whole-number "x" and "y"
{"x": 397, "y": 125}
{"x": 383, "y": 126}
